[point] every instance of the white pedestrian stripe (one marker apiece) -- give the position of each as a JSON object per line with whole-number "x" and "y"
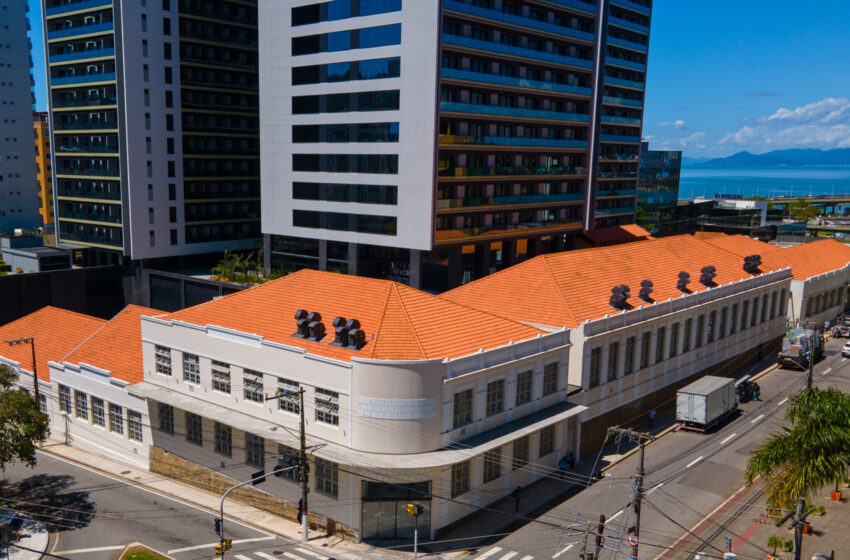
{"x": 563, "y": 550}
{"x": 757, "y": 418}
{"x": 694, "y": 462}
{"x": 311, "y": 553}
{"x": 98, "y": 549}
{"x": 509, "y": 555}
{"x": 290, "y": 555}
{"x": 783, "y": 401}
{"x": 489, "y": 553}
{"x": 527, "y": 558}
{"x": 210, "y": 545}
{"x": 728, "y": 439}
{"x": 270, "y": 557}
{"x": 827, "y": 370}
{"x": 616, "y": 515}
{"x": 241, "y": 557}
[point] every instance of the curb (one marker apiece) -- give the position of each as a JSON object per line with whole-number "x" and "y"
{"x": 132, "y": 544}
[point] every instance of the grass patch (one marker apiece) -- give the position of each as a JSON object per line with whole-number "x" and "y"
{"x": 142, "y": 553}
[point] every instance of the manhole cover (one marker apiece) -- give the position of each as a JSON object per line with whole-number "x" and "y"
{"x": 126, "y": 472}
{"x": 277, "y": 552}
{"x": 138, "y": 478}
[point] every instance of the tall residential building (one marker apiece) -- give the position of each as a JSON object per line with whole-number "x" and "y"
{"x": 18, "y": 193}
{"x": 154, "y": 123}
{"x": 434, "y": 142}
{"x": 658, "y": 188}
{"x": 44, "y": 174}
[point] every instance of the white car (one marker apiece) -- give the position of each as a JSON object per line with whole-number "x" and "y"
{"x": 846, "y": 350}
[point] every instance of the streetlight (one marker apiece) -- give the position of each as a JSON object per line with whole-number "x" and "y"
{"x": 31, "y": 341}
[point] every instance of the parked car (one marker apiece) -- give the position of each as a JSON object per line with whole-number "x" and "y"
{"x": 846, "y": 350}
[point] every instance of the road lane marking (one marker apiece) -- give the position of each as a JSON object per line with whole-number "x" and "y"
{"x": 527, "y": 558}
{"x": 97, "y": 549}
{"x": 827, "y": 370}
{"x": 563, "y": 550}
{"x": 311, "y": 553}
{"x": 728, "y": 439}
{"x": 654, "y": 488}
{"x": 487, "y": 554}
{"x": 783, "y": 401}
{"x": 287, "y": 554}
{"x": 694, "y": 462}
{"x": 241, "y": 557}
{"x": 509, "y": 555}
{"x": 757, "y": 418}
{"x": 208, "y": 545}
{"x": 616, "y": 515}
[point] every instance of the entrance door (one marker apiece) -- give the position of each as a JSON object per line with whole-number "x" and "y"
{"x": 384, "y": 514}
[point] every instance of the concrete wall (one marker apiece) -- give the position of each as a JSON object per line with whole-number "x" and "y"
{"x": 820, "y": 298}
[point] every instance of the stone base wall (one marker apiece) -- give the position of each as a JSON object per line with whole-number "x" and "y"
{"x": 170, "y": 465}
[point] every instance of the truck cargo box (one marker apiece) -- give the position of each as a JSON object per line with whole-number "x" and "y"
{"x": 705, "y": 402}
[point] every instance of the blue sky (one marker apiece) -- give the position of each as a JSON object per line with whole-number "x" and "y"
{"x": 726, "y": 75}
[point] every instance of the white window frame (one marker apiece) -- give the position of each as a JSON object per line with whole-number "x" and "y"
{"x": 327, "y": 407}
{"x": 162, "y": 357}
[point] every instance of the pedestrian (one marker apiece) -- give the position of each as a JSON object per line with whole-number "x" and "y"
{"x": 15, "y": 526}
{"x": 517, "y": 495}
{"x": 300, "y": 515}
{"x": 756, "y": 392}
{"x": 652, "y": 418}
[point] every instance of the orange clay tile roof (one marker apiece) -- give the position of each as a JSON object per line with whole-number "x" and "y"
{"x": 617, "y": 234}
{"x": 565, "y": 289}
{"x": 116, "y": 346}
{"x": 56, "y": 332}
{"x": 400, "y": 322}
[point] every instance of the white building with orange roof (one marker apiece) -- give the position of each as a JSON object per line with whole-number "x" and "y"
{"x": 406, "y": 396}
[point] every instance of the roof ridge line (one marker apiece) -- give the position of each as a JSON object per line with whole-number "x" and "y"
{"x": 558, "y": 289}
{"x": 381, "y": 320}
{"x": 407, "y": 318}
{"x": 100, "y": 328}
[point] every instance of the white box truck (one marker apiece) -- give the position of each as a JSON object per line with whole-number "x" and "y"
{"x": 705, "y": 402}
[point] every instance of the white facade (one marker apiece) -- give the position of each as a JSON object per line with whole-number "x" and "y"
{"x": 820, "y": 298}
{"x": 416, "y": 118}
{"x": 18, "y": 185}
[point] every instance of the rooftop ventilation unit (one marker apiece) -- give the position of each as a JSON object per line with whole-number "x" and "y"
{"x": 707, "y": 275}
{"x": 646, "y": 290}
{"x": 310, "y": 325}
{"x": 356, "y": 338}
{"x": 619, "y": 296}
{"x": 303, "y": 324}
{"x": 684, "y": 280}
{"x": 317, "y": 330}
{"x": 347, "y": 333}
{"x": 340, "y": 332}
{"x": 752, "y": 264}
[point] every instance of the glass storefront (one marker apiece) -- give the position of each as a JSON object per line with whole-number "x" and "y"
{"x": 384, "y": 510}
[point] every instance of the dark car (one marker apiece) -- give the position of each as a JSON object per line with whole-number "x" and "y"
{"x": 746, "y": 391}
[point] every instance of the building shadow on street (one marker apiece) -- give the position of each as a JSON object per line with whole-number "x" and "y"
{"x": 44, "y": 498}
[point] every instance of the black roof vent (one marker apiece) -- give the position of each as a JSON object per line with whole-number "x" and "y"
{"x": 352, "y": 324}
{"x": 339, "y": 322}
{"x": 356, "y": 338}
{"x": 752, "y": 264}
{"x": 347, "y": 333}
{"x": 707, "y": 275}
{"x": 619, "y": 296}
{"x": 684, "y": 280}
{"x": 310, "y": 325}
{"x": 340, "y": 332}
{"x": 317, "y": 330}
{"x": 646, "y": 290}
{"x": 300, "y": 314}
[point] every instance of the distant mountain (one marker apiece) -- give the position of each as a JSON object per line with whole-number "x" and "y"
{"x": 776, "y": 158}
{"x": 694, "y": 161}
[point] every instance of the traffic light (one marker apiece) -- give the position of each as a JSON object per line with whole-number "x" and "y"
{"x": 411, "y": 509}
{"x": 219, "y": 550}
{"x": 228, "y": 544}
{"x": 419, "y": 509}
{"x": 218, "y": 526}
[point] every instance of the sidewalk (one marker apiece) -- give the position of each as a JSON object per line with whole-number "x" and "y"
{"x": 32, "y": 543}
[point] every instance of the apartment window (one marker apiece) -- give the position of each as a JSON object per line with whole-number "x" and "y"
{"x": 523, "y": 387}
{"x": 168, "y": 75}
{"x": 147, "y": 121}
{"x": 172, "y": 188}
{"x": 147, "y": 98}
{"x": 550, "y": 378}
{"x": 595, "y": 365}
{"x": 520, "y": 456}
{"x": 166, "y": 5}
{"x": 674, "y": 340}
{"x": 660, "y": 334}
{"x": 162, "y": 357}
{"x": 98, "y": 412}
{"x": 169, "y": 99}
{"x": 288, "y": 456}
{"x": 81, "y": 405}
{"x": 645, "y": 341}
{"x": 144, "y": 22}
{"x": 613, "y": 360}
{"x": 547, "y": 441}
{"x": 166, "y": 26}
{"x": 134, "y": 425}
{"x": 252, "y": 384}
{"x": 327, "y": 477}
{"x": 754, "y": 314}
{"x": 64, "y": 399}
{"x": 712, "y": 324}
{"x": 733, "y": 319}
{"x": 289, "y": 399}
{"x": 495, "y": 397}
{"x": 492, "y": 465}
{"x": 721, "y": 326}
{"x": 194, "y": 428}
{"x": 462, "y": 408}
{"x": 327, "y": 407}
{"x": 148, "y": 145}
{"x": 169, "y": 123}
{"x": 220, "y": 376}
{"x": 146, "y": 73}
{"x": 460, "y": 478}
{"x": 191, "y": 368}
{"x": 172, "y": 171}
{"x": 169, "y": 149}
{"x": 116, "y": 419}
{"x": 150, "y": 193}
{"x": 629, "y": 365}
{"x": 223, "y": 436}
{"x": 700, "y": 330}
{"x": 255, "y": 453}
{"x": 166, "y": 51}
{"x": 144, "y": 47}
{"x": 42, "y": 402}
{"x": 165, "y": 415}
{"x": 763, "y": 312}
{"x": 745, "y": 312}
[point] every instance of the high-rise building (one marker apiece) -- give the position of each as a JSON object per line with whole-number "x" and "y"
{"x": 434, "y": 142}
{"x": 658, "y": 188}
{"x": 154, "y": 124}
{"x": 44, "y": 175}
{"x": 18, "y": 193}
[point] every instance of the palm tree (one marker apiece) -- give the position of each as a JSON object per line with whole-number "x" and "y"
{"x": 808, "y": 455}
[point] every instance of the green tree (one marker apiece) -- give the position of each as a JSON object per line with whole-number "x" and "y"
{"x": 808, "y": 455}
{"x": 22, "y": 423}
{"x": 802, "y": 209}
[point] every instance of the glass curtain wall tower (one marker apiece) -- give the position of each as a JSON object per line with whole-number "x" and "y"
{"x": 435, "y": 142}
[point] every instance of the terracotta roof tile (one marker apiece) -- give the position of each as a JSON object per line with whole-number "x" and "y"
{"x": 116, "y": 346}
{"x": 56, "y": 332}
{"x": 617, "y": 234}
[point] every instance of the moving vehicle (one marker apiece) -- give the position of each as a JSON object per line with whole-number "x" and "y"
{"x": 841, "y": 329}
{"x": 705, "y": 402}
{"x": 799, "y": 346}
{"x": 845, "y": 351}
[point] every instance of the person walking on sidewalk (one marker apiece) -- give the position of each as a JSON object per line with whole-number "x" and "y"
{"x": 652, "y": 418}
{"x": 517, "y": 494}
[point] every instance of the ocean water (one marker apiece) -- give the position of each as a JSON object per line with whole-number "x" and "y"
{"x": 769, "y": 181}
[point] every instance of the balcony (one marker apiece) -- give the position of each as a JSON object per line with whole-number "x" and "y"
{"x": 497, "y": 79}
{"x": 96, "y": 195}
{"x": 580, "y": 5}
{"x": 80, "y": 30}
{"x": 622, "y": 101}
{"x": 508, "y": 171}
{"x": 620, "y": 120}
{"x": 88, "y": 172}
{"x": 81, "y": 55}
{"x": 615, "y": 193}
{"x": 86, "y": 125}
{"x": 87, "y": 102}
{"x": 76, "y": 6}
{"x": 509, "y": 200}
{"x": 617, "y": 175}
{"x": 619, "y": 22}
{"x": 615, "y": 211}
{"x": 634, "y": 6}
{"x": 517, "y": 20}
{"x": 451, "y": 139}
{"x": 618, "y": 138}
{"x": 90, "y": 217}
{"x": 499, "y": 111}
{"x": 91, "y": 238}
{"x": 516, "y": 51}
{"x": 609, "y": 80}
{"x": 88, "y": 78}
{"x": 619, "y": 156}
{"x": 627, "y": 44}
{"x": 616, "y": 61}
{"x": 74, "y": 150}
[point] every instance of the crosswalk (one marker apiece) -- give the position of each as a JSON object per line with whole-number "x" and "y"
{"x": 305, "y": 554}
{"x": 498, "y": 553}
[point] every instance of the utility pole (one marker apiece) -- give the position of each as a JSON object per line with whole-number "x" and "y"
{"x": 31, "y": 341}
{"x": 640, "y": 474}
{"x": 798, "y": 529}
{"x": 584, "y": 554}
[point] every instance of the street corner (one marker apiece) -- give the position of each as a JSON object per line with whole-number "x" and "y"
{"x": 23, "y": 538}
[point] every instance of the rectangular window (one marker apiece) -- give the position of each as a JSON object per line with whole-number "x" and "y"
{"x": 629, "y": 365}
{"x": 166, "y": 51}
{"x": 116, "y": 419}
{"x": 613, "y": 359}
{"x": 64, "y": 399}
{"x": 364, "y": 38}
{"x": 134, "y": 425}
{"x": 327, "y": 407}
{"x": 460, "y": 478}
{"x": 220, "y": 376}
{"x": 345, "y": 133}
{"x": 546, "y": 441}
{"x": 495, "y": 397}
{"x": 346, "y": 163}
{"x": 42, "y": 402}
{"x": 763, "y": 312}
{"x": 162, "y": 357}
{"x": 223, "y": 439}
{"x": 166, "y": 26}
{"x": 645, "y": 341}
{"x": 81, "y": 405}
{"x": 523, "y": 387}
{"x": 343, "y": 192}
{"x": 721, "y": 326}
{"x": 492, "y": 465}
{"x": 595, "y": 366}
{"x": 384, "y": 100}
{"x": 733, "y": 319}
{"x": 783, "y": 300}
{"x": 712, "y": 325}
{"x": 194, "y": 428}
{"x": 289, "y": 399}
{"x": 775, "y": 295}
{"x": 252, "y": 383}
{"x": 327, "y": 477}
{"x": 165, "y": 415}
{"x": 674, "y": 340}
{"x": 339, "y": 221}
{"x": 334, "y": 10}
{"x": 686, "y": 335}
{"x": 462, "y": 408}
{"x": 754, "y": 314}
{"x": 288, "y": 456}
{"x": 520, "y": 456}
{"x": 255, "y": 453}
{"x": 745, "y": 312}
{"x": 660, "y": 334}
{"x": 98, "y": 412}
{"x": 700, "y": 330}
{"x": 191, "y": 368}
{"x": 374, "y": 69}
{"x": 550, "y": 378}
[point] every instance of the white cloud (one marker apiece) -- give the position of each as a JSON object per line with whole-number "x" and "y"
{"x": 674, "y": 124}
